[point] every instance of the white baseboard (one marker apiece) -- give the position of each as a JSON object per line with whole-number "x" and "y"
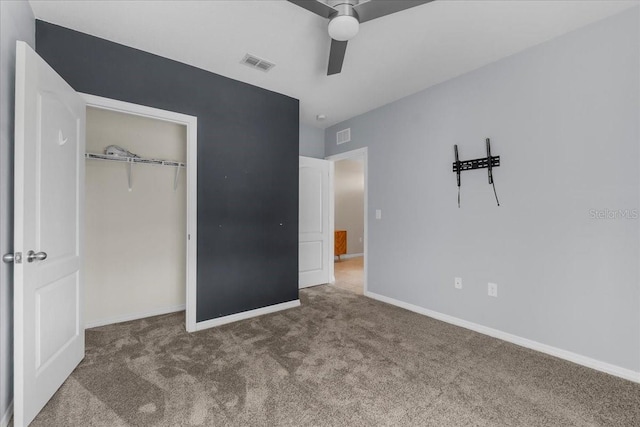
{"x": 347, "y": 256}
{"x": 6, "y": 417}
{"x": 135, "y": 316}
{"x": 615, "y": 370}
{"x": 219, "y": 321}
{"x": 314, "y": 284}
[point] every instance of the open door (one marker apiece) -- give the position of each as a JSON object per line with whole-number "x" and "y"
{"x": 315, "y": 235}
{"x": 48, "y": 233}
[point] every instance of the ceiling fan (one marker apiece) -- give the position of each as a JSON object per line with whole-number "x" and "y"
{"x": 345, "y": 17}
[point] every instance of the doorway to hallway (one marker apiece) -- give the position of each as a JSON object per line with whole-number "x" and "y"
{"x": 349, "y": 220}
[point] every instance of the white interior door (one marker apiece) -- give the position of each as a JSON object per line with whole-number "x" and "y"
{"x": 315, "y": 238}
{"x": 49, "y": 202}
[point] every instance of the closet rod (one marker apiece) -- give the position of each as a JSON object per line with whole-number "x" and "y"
{"x": 139, "y": 160}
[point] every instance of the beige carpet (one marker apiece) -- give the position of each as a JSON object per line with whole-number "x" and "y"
{"x": 350, "y": 274}
{"x": 339, "y": 360}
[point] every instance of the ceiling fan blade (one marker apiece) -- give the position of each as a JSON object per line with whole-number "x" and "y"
{"x": 377, "y": 8}
{"x": 320, "y": 9}
{"x": 336, "y": 56}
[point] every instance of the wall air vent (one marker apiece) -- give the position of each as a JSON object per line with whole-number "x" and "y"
{"x": 257, "y": 63}
{"x": 343, "y": 136}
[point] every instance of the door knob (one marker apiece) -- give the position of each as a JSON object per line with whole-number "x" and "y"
{"x": 9, "y": 258}
{"x": 33, "y": 256}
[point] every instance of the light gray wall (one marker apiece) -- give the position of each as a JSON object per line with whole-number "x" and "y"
{"x": 563, "y": 116}
{"x": 311, "y": 141}
{"x": 349, "y": 202}
{"x": 16, "y": 23}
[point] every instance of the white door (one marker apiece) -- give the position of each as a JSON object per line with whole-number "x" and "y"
{"x": 48, "y": 219}
{"x": 315, "y": 238}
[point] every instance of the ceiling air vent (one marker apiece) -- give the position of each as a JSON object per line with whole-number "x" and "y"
{"x": 258, "y": 63}
{"x": 343, "y": 136}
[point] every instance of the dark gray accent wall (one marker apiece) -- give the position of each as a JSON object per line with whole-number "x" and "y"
{"x": 247, "y": 163}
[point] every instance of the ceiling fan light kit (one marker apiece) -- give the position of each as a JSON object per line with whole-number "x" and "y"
{"x": 344, "y": 23}
{"x": 343, "y": 28}
{"x": 345, "y": 17}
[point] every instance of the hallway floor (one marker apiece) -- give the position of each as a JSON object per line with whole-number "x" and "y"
{"x": 350, "y": 274}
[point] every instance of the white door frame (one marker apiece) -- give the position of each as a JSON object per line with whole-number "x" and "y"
{"x": 353, "y": 154}
{"x": 191, "y": 123}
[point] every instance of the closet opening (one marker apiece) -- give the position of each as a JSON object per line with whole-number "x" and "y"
{"x": 140, "y": 213}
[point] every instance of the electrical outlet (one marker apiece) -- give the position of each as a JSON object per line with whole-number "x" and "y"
{"x": 492, "y": 290}
{"x": 378, "y": 213}
{"x": 457, "y": 282}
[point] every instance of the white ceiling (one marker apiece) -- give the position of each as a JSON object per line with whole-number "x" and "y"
{"x": 390, "y": 58}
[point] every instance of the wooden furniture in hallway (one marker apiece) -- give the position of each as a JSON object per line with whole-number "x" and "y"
{"x": 340, "y": 243}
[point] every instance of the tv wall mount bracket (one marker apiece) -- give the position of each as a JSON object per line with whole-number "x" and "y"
{"x": 488, "y": 163}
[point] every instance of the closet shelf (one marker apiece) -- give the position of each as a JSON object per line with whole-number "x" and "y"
{"x": 139, "y": 161}
{"x": 142, "y": 160}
